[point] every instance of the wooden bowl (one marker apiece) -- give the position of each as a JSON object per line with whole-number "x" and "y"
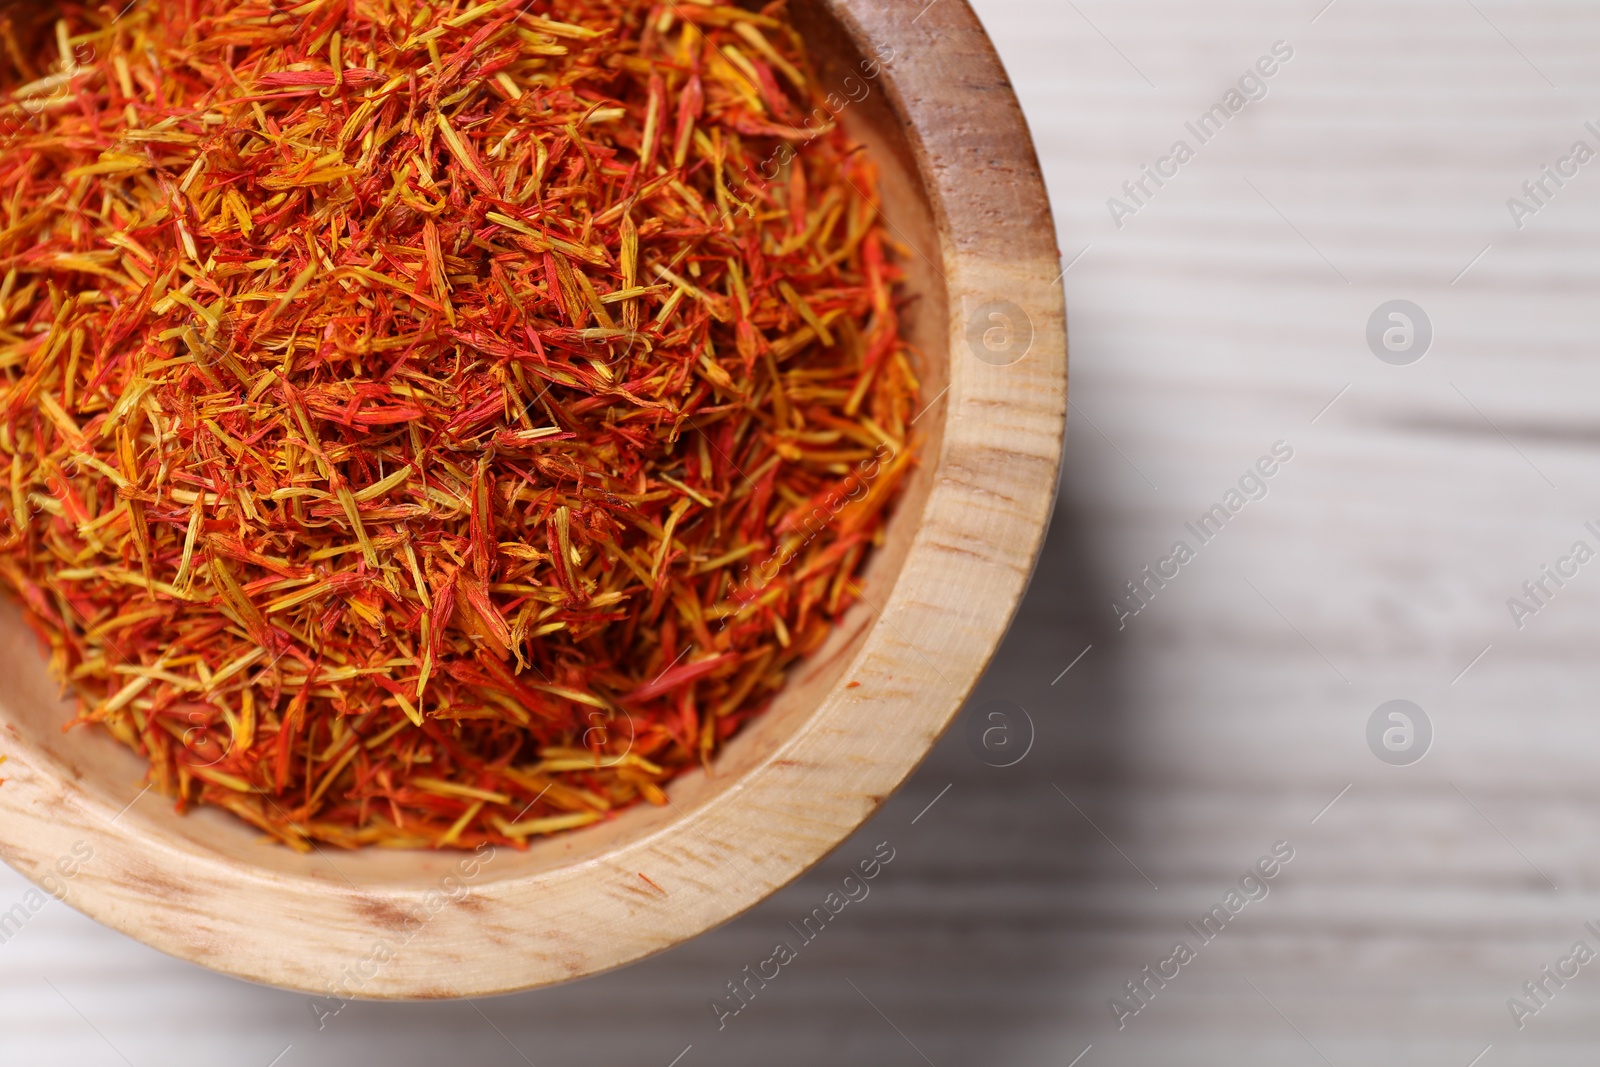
{"x": 963, "y": 195}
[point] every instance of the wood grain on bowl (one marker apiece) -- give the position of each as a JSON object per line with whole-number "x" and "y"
{"x": 963, "y": 197}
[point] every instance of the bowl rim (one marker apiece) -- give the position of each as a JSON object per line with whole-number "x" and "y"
{"x": 994, "y": 475}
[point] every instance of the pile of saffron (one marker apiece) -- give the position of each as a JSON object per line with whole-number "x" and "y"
{"x": 428, "y": 423}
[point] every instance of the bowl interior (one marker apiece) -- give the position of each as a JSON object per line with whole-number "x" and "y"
{"x": 110, "y": 775}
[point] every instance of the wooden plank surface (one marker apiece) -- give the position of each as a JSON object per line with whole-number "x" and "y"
{"x": 1224, "y": 316}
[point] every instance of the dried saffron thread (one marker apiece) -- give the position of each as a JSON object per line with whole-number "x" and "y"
{"x": 424, "y": 424}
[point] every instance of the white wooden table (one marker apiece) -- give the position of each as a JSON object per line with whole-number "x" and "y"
{"x": 1228, "y": 312}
